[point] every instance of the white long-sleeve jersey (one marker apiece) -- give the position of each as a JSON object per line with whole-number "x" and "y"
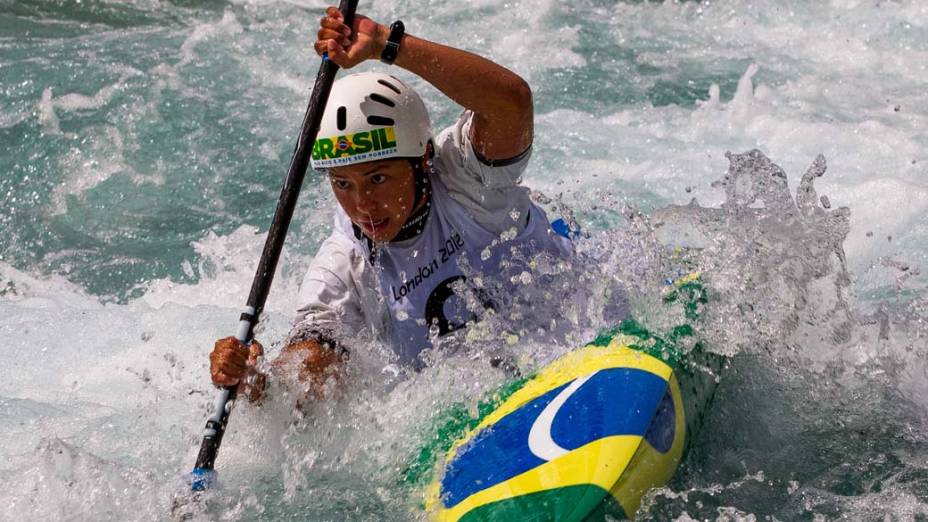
{"x": 482, "y": 239}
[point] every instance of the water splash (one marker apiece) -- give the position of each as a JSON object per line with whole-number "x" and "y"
{"x": 768, "y": 254}
{"x": 803, "y": 349}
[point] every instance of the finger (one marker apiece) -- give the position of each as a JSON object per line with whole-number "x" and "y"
{"x": 227, "y": 376}
{"x": 223, "y": 344}
{"x": 335, "y": 24}
{"x": 222, "y": 379}
{"x": 230, "y": 345}
{"x": 255, "y": 351}
{"x": 336, "y": 53}
{"x": 232, "y": 365}
{"x": 332, "y": 34}
{"x": 328, "y": 34}
{"x": 219, "y": 357}
{"x": 333, "y": 12}
{"x": 230, "y": 353}
{"x": 355, "y": 53}
{"x": 240, "y": 349}
{"x": 228, "y": 359}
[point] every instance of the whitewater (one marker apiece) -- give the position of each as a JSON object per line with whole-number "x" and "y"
{"x": 780, "y": 148}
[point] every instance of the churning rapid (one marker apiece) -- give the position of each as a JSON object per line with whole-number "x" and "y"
{"x": 778, "y": 147}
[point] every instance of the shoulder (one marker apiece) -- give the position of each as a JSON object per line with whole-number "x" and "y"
{"x": 329, "y": 295}
{"x": 458, "y": 157}
{"x": 337, "y": 264}
{"x": 490, "y": 191}
{"x": 335, "y": 252}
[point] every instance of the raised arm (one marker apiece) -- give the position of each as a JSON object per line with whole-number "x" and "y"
{"x": 500, "y": 99}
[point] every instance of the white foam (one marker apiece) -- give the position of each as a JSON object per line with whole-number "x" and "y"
{"x": 225, "y": 268}
{"x": 692, "y": 142}
{"x": 226, "y": 26}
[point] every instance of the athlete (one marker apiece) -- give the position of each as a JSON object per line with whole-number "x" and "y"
{"x": 432, "y": 233}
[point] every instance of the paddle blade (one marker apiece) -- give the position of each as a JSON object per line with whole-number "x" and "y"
{"x": 190, "y": 501}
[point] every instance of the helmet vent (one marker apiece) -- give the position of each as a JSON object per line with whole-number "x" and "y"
{"x": 389, "y": 85}
{"x": 341, "y": 118}
{"x": 379, "y": 120}
{"x": 382, "y": 99}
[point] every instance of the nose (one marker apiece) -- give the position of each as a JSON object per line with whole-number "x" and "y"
{"x": 365, "y": 201}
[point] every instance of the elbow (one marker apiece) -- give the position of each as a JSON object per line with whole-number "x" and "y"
{"x": 522, "y": 95}
{"x": 513, "y": 96}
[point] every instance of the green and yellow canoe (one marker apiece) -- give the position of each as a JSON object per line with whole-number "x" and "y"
{"x": 586, "y": 436}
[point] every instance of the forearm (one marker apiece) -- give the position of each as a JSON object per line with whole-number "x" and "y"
{"x": 500, "y": 99}
{"x": 253, "y": 387}
{"x": 465, "y": 77}
{"x": 308, "y": 366}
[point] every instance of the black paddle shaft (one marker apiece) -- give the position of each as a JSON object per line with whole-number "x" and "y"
{"x": 264, "y": 276}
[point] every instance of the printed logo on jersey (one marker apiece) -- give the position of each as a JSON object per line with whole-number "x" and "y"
{"x": 454, "y": 316}
{"x": 360, "y": 146}
{"x": 452, "y": 246}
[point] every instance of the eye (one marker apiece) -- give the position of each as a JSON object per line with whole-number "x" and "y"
{"x": 340, "y": 184}
{"x": 377, "y": 179}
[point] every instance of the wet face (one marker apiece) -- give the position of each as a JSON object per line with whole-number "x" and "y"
{"x": 378, "y": 196}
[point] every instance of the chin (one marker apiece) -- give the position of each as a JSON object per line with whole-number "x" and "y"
{"x": 385, "y": 236}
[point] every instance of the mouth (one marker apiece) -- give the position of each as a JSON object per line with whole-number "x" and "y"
{"x": 374, "y": 227}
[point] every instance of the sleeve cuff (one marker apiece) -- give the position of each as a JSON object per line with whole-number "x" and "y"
{"x": 501, "y": 162}
{"x": 324, "y": 338}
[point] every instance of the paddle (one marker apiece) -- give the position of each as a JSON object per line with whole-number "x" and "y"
{"x": 203, "y": 474}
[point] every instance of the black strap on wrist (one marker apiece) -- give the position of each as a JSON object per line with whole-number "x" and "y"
{"x": 397, "y": 30}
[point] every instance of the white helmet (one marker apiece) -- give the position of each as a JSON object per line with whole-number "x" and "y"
{"x": 371, "y": 116}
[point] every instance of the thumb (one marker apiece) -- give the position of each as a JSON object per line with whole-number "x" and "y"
{"x": 255, "y": 351}
{"x": 364, "y": 46}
